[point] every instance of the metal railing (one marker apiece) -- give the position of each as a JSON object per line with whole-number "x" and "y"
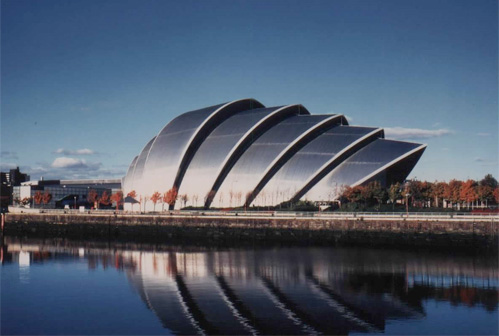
{"x": 276, "y": 214}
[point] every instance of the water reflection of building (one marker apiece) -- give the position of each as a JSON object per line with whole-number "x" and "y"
{"x": 288, "y": 291}
{"x": 273, "y": 292}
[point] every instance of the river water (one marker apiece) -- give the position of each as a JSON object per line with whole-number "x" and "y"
{"x": 67, "y": 287}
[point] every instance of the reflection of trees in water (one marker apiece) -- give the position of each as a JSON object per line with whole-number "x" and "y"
{"x": 362, "y": 290}
{"x": 396, "y": 285}
{"x": 456, "y": 295}
{"x": 377, "y": 284}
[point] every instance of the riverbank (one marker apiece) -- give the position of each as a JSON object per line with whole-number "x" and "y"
{"x": 445, "y": 233}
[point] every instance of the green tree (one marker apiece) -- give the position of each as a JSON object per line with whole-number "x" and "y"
{"x": 376, "y": 193}
{"x": 490, "y": 181}
{"x": 394, "y": 193}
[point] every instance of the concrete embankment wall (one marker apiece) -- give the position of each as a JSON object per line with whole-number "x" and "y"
{"x": 399, "y": 233}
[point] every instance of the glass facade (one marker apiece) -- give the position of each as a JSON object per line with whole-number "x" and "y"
{"x": 71, "y": 194}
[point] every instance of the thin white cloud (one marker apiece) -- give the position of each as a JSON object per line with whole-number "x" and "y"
{"x": 83, "y": 151}
{"x": 4, "y": 166}
{"x": 65, "y": 162}
{"x": 483, "y": 134}
{"x": 72, "y": 169}
{"x": 414, "y": 133}
{"x": 485, "y": 162}
{"x": 8, "y": 155}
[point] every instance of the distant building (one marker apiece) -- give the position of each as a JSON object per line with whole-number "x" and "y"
{"x": 243, "y": 153}
{"x": 65, "y": 192}
{"x": 10, "y": 179}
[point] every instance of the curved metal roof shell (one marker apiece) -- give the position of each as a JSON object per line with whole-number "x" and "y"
{"x": 242, "y": 153}
{"x": 310, "y": 160}
{"x": 369, "y": 163}
{"x": 225, "y": 144}
{"x": 179, "y": 140}
{"x": 138, "y": 168}
{"x": 261, "y": 160}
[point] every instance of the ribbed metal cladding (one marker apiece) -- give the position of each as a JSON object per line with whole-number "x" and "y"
{"x": 242, "y": 153}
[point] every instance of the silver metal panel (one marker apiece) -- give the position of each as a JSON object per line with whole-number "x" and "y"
{"x": 175, "y": 144}
{"x": 249, "y": 170}
{"x": 294, "y": 173}
{"x": 134, "y": 183}
{"x": 127, "y": 177}
{"x": 207, "y": 162}
{"x": 241, "y": 148}
{"x": 360, "y": 166}
{"x": 166, "y": 153}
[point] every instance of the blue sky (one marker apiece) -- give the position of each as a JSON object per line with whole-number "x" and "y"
{"x": 85, "y": 84}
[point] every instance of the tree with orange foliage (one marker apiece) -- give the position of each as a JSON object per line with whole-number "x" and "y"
{"x": 38, "y": 197}
{"x": 117, "y": 197}
{"x": 467, "y": 192}
{"x": 453, "y": 191}
{"x": 105, "y": 199}
{"x": 47, "y": 197}
{"x": 163, "y": 200}
{"x": 496, "y": 195}
{"x": 170, "y": 196}
{"x": 132, "y": 194}
{"x": 438, "y": 192}
{"x": 354, "y": 194}
{"x": 426, "y": 189}
{"x": 25, "y": 201}
{"x": 93, "y": 198}
{"x": 156, "y": 196}
{"x": 485, "y": 193}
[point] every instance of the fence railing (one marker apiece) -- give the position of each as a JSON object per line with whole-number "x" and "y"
{"x": 265, "y": 214}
